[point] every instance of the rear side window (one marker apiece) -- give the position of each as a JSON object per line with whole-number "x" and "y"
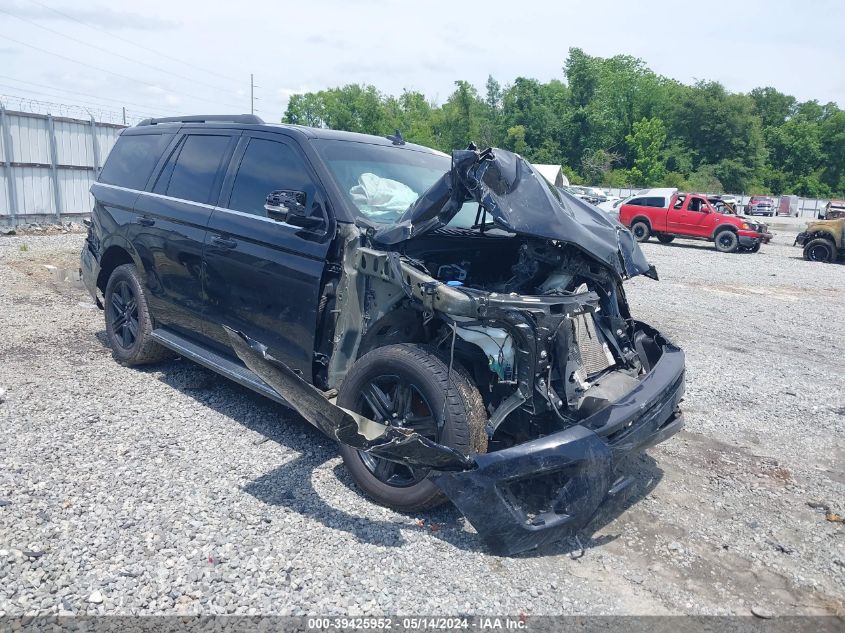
{"x": 196, "y": 167}
{"x": 648, "y": 202}
{"x": 132, "y": 159}
{"x": 266, "y": 167}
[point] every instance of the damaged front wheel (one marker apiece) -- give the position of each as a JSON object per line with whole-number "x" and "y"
{"x": 406, "y": 386}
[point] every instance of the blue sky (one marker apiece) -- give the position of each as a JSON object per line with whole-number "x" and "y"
{"x": 195, "y": 57}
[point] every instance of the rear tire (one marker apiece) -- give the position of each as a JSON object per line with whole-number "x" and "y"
{"x": 641, "y": 231}
{"x": 820, "y": 250}
{"x": 727, "y": 242}
{"x": 665, "y": 239}
{"x": 411, "y": 381}
{"x": 129, "y": 325}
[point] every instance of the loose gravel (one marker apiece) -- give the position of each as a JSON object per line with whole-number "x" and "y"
{"x": 170, "y": 490}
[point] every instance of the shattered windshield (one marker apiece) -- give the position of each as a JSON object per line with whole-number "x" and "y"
{"x": 382, "y": 181}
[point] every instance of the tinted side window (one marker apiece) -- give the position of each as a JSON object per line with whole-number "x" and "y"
{"x": 132, "y": 159}
{"x": 656, "y": 201}
{"x": 197, "y": 166}
{"x": 638, "y": 201}
{"x": 266, "y": 166}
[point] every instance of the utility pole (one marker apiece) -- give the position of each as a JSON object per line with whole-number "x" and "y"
{"x": 251, "y": 94}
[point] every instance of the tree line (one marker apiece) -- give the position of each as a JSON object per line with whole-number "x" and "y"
{"x": 615, "y": 122}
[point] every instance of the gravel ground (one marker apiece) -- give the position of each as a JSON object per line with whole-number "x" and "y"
{"x": 171, "y": 490}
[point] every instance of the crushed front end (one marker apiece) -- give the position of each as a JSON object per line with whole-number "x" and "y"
{"x": 531, "y": 306}
{"x": 572, "y": 384}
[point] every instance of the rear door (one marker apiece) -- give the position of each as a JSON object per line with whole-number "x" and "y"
{"x": 171, "y": 223}
{"x": 263, "y": 274}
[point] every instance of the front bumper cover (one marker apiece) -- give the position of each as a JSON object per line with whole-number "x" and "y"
{"x": 547, "y": 489}
{"x": 527, "y": 495}
{"x": 749, "y": 238}
{"x": 801, "y": 239}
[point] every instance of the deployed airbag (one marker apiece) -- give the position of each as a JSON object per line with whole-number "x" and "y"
{"x": 381, "y": 198}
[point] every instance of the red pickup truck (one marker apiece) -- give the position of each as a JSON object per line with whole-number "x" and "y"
{"x": 667, "y": 215}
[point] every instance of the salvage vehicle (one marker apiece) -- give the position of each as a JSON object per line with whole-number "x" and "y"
{"x": 723, "y": 204}
{"x": 760, "y": 205}
{"x": 823, "y": 240}
{"x": 690, "y": 216}
{"x": 832, "y": 210}
{"x": 456, "y": 324}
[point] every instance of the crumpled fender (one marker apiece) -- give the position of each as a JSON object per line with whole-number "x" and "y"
{"x": 347, "y": 427}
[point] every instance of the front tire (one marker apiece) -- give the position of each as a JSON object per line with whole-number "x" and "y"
{"x": 129, "y": 325}
{"x": 820, "y": 250}
{"x": 407, "y": 385}
{"x": 641, "y": 231}
{"x": 727, "y": 242}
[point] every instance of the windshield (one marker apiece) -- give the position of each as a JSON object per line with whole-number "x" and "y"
{"x": 382, "y": 181}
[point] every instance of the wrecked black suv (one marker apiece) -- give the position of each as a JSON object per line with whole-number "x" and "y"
{"x": 457, "y": 324}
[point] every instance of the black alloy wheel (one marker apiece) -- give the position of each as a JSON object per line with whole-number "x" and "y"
{"x": 123, "y": 309}
{"x": 392, "y": 399}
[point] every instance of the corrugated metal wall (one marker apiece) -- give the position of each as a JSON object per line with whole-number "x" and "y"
{"x": 47, "y": 164}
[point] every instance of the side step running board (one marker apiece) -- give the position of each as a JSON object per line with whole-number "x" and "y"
{"x": 231, "y": 369}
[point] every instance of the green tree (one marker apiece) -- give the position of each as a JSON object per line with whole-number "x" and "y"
{"x": 704, "y": 180}
{"x": 615, "y": 122}
{"x": 645, "y": 145}
{"x": 772, "y": 106}
{"x": 832, "y": 135}
{"x": 515, "y": 140}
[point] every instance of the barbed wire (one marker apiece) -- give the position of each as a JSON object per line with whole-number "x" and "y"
{"x": 74, "y": 111}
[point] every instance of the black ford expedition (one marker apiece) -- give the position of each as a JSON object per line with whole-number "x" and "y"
{"x": 457, "y": 324}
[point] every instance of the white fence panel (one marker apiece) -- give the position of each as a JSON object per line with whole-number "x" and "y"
{"x": 48, "y": 164}
{"x": 73, "y": 143}
{"x": 74, "y": 185}
{"x": 30, "y": 139}
{"x": 34, "y": 188}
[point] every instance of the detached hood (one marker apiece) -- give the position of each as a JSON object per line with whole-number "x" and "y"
{"x": 518, "y": 199}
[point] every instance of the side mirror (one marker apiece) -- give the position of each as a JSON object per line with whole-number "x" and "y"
{"x": 285, "y": 205}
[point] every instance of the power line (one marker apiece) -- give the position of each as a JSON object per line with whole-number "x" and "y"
{"x": 31, "y": 104}
{"x": 111, "y": 72}
{"x": 147, "y": 109}
{"x": 77, "y": 92}
{"x": 109, "y": 52}
{"x": 128, "y": 41}
{"x": 81, "y": 105}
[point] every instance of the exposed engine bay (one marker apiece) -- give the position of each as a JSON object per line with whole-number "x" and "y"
{"x": 531, "y": 306}
{"x": 545, "y": 333}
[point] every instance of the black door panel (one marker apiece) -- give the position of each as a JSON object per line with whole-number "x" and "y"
{"x": 263, "y": 276}
{"x": 171, "y": 252}
{"x": 265, "y": 285}
{"x": 170, "y": 228}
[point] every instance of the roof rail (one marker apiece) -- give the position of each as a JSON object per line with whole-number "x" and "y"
{"x": 207, "y": 118}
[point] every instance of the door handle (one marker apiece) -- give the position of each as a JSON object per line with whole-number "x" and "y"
{"x": 145, "y": 221}
{"x": 222, "y": 242}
